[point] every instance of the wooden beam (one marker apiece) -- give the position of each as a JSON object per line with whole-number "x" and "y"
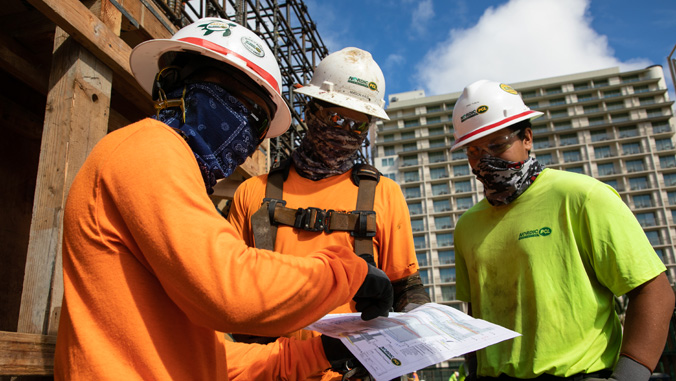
{"x": 76, "y": 118}
{"x": 26, "y": 354}
{"x": 88, "y": 30}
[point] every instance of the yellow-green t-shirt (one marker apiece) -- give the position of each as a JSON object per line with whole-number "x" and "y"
{"x": 547, "y": 266}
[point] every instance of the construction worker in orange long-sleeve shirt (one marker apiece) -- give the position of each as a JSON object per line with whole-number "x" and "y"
{"x": 152, "y": 271}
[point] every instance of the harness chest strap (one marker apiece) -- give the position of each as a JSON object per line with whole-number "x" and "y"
{"x": 361, "y": 223}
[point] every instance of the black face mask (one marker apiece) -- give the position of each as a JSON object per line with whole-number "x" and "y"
{"x": 505, "y": 180}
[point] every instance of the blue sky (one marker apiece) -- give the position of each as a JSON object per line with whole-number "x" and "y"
{"x": 440, "y": 46}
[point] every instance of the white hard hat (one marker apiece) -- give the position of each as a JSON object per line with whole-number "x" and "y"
{"x": 485, "y": 107}
{"x": 349, "y": 78}
{"x": 224, "y": 41}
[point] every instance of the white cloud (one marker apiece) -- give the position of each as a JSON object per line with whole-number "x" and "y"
{"x": 519, "y": 41}
{"x": 421, "y": 15}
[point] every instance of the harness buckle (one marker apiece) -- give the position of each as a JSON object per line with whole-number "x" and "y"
{"x": 271, "y": 208}
{"x": 361, "y": 228}
{"x": 311, "y": 219}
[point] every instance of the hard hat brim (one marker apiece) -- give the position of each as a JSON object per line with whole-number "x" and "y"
{"x": 342, "y": 100}
{"x": 493, "y": 127}
{"x": 150, "y": 52}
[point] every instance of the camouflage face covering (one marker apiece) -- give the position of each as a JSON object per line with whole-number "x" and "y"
{"x": 326, "y": 151}
{"x": 504, "y": 180}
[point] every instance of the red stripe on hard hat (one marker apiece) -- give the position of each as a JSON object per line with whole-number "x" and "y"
{"x": 491, "y": 126}
{"x": 225, "y": 51}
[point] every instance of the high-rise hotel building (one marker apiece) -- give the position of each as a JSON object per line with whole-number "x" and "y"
{"x": 615, "y": 126}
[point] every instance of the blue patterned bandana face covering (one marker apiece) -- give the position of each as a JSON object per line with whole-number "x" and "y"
{"x": 505, "y": 180}
{"x": 217, "y": 129}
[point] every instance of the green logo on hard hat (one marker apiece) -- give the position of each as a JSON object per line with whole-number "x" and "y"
{"x": 254, "y": 47}
{"x": 508, "y": 89}
{"x": 217, "y": 26}
{"x": 482, "y": 109}
{"x": 362, "y": 82}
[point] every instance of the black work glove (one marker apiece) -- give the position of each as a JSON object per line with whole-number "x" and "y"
{"x": 627, "y": 370}
{"x": 374, "y": 297}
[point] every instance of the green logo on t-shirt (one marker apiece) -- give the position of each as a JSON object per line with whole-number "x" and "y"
{"x": 542, "y": 232}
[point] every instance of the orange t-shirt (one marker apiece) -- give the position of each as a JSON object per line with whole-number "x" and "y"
{"x": 152, "y": 272}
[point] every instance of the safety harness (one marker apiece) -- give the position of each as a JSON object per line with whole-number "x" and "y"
{"x": 361, "y": 222}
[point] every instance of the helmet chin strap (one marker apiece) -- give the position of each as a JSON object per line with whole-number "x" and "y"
{"x": 162, "y": 102}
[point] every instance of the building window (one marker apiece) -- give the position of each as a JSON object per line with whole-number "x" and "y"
{"x": 606, "y": 169}
{"x": 653, "y": 113}
{"x": 591, "y": 109}
{"x": 411, "y": 176}
{"x": 408, "y": 135}
{"x": 434, "y": 143}
{"x": 409, "y": 160}
{"x": 438, "y": 173}
{"x": 667, "y": 161}
{"x": 654, "y": 237}
{"x": 596, "y": 121}
{"x": 671, "y": 196}
{"x": 388, "y": 138}
{"x": 458, "y": 155}
{"x": 637, "y": 183}
{"x": 541, "y": 143}
{"x": 612, "y": 93}
{"x": 415, "y": 208}
{"x": 569, "y": 139}
{"x": 411, "y": 123}
{"x": 435, "y": 108}
{"x": 417, "y": 225}
{"x": 571, "y": 156}
{"x": 435, "y": 131}
{"x": 447, "y": 293}
{"x": 585, "y": 97}
{"x": 601, "y": 83}
{"x": 610, "y": 106}
{"x": 642, "y": 201}
{"x": 434, "y": 120}
{"x": 612, "y": 183}
{"x": 444, "y": 222}
{"x": 528, "y": 94}
{"x": 560, "y": 126}
{"x": 425, "y": 278}
{"x": 422, "y": 259}
{"x": 441, "y": 206}
{"x": 436, "y": 157}
{"x": 446, "y": 257}
{"x": 464, "y": 202}
{"x": 635, "y": 165}
{"x": 670, "y": 179}
{"x": 631, "y": 148}
{"x": 581, "y": 86}
{"x": 641, "y": 89}
{"x": 664, "y": 144}
{"x": 557, "y": 102}
{"x": 659, "y": 127}
{"x": 619, "y": 118}
{"x": 553, "y": 90}
{"x": 387, "y": 162}
{"x": 420, "y": 243}
{"x": 545, "y": 158}
{"x": 646, "y": 101}
{"x": 599, "y": 135}
{"x": 628, "y": 132}
{"x": 558, "y": 114}
{"x": 389, "y": 151}
{"x": 410, "y": 147}
{"x": 575, "y": 169}
{"x": 460, "y": 170}
{"x": 440, "y": 189}
{"x": 444, "y": 239}
{"x": 462, "y": 186}
{"x": 447, "y": 274}
{"x": 602, "y": 152}
{"x": 646, "y": 219}
{"x": 412, "y": 192}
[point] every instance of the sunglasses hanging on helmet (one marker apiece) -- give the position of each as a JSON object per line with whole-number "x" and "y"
{"x": 323, "y": 111}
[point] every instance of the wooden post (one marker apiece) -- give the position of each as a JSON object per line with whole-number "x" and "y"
{"x": 76, "y": 118}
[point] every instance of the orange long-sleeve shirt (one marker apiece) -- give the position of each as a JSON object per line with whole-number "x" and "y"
{"x": 152, "y": 271}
